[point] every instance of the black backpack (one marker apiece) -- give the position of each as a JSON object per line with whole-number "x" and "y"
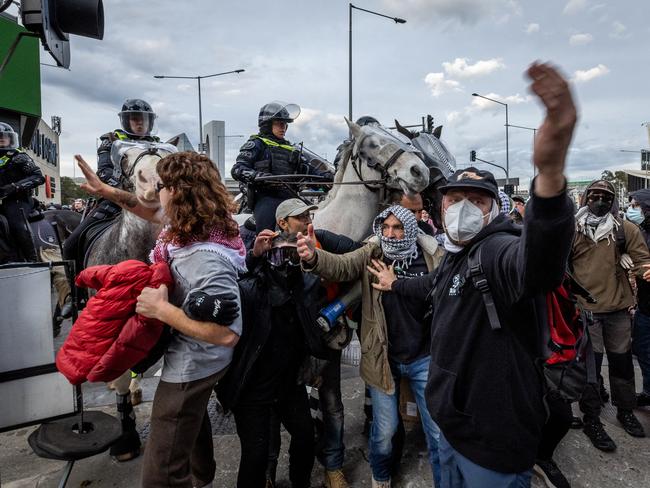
{"x": 566, "y": 360}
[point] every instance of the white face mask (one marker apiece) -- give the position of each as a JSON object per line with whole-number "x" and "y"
{"x": 463, "y": 220}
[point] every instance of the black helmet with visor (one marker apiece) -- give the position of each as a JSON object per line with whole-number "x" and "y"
{"x": 137, "y": 118}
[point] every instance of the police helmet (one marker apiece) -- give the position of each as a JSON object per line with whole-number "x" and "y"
{"x": 8, "y": 138}
{"x": 137, "y": 110}
{"x": 276, "y": 110}
{"x": 367, "y": 120}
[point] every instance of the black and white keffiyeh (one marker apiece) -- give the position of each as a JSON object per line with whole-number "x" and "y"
{"x": 401, "y": 251}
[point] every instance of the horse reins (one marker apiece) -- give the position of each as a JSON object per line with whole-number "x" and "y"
{"x": 382, "y": 169}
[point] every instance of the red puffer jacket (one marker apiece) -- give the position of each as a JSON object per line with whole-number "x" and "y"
{"x": 109, "y": 338}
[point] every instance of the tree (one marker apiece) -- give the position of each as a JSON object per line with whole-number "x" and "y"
{"x": 607, "y": 175}
{"x": 70, "y": 191}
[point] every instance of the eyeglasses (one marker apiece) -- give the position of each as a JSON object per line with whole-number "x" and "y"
{"x": 600, "y": 196}
{"x": 159, "y": 186}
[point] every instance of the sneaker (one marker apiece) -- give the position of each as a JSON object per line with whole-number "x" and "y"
{"x": 66, "y": 309}
{"x": 551, "y": 474}
{"x": 598, "y": 437}
{"x": 335, "y": 479}
{"x": 269, "y": 484}
{"x": 643, "y": 400}
{"x": 380, "y": 484}
{"x": 630, "y": 423}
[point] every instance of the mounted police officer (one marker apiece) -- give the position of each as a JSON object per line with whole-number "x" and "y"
{"x": 137, "y": 119}
{"x": 269, "y": 153}
{"x": 18, "y": 176}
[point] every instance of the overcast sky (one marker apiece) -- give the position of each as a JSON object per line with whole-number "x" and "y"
{"x": 297, "y": 51}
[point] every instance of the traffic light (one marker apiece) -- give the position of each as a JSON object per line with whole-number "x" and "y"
{"x": 430, "y": 124}
{"x": 472, "y": 155}
{"x": 509, "y": 189}
{"x": 53, "y": 20}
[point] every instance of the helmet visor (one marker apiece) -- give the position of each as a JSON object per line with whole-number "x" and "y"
{"x": 138, "y": 123}
{"x": 277, "y": 110}
{"x": 8, "y": 140}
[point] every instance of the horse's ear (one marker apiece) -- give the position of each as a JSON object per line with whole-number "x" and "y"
{"x": 174, "y": 141}
{"x": 354, "y": 128}
{"x": 403, "y": 130}
{"x": 437, "y": 131}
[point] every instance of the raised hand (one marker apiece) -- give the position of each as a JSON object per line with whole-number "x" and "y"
{"x": 385, "y": 275}
{"x": 307, "y": 245}
{"x": 554, "y": 135}
{"x": 93, "y": 184}
{"x": 263, "y": 242}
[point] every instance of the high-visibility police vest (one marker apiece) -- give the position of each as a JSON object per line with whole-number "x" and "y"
{"x": 279, "y": 159}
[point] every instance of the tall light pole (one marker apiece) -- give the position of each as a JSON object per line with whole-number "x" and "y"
{"x": 397, "y": 20}
{"x": 507, "y": 125}
{"x": 198, "y": 79}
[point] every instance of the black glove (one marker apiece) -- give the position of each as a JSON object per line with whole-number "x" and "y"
{"x": 221, "y": 309}
{"x": 7, "y": 190}
{"x": 248, "y": 175}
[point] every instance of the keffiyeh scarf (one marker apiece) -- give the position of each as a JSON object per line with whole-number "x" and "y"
{"x": 401, "y": 251}
{"x": 596, "y": 228}
{"x": 231, "y": 248}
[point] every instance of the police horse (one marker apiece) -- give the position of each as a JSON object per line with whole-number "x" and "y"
{"x": 127, "y": 236}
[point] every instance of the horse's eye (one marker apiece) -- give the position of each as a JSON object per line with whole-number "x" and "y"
{"x": 373, "y": 145}
{"x": 141, "y": 177}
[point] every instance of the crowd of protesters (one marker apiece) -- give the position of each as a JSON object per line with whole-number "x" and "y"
{"x": 244, "y": 318}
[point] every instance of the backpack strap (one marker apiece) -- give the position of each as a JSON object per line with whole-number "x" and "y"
{"x": 476, "y": 273}
{"x": 620, "y": 238}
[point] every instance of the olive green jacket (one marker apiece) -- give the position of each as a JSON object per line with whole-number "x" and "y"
{"x": 373, "y": 333}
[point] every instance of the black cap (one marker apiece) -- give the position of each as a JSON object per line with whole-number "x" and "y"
{"x": 642, "y": 197}
{"x": 472, "y": 178}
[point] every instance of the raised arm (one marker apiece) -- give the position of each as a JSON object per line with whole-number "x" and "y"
{"x": 128, "y": 201}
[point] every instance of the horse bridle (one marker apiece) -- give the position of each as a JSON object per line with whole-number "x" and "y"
{"x": 151, "y": 151}
{"x": 382, "y": 169}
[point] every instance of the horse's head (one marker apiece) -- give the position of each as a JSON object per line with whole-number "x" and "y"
{"x": 391, "y": 159}
{"x": 439, "y": 160}
{"x": 137, "y": 163}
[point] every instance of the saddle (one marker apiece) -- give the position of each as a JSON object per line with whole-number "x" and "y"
{"x": 88, "y": 238}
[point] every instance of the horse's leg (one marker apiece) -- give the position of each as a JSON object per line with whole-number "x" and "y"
{"x": 127, "y": 446}
{"x": 135, "y": 389}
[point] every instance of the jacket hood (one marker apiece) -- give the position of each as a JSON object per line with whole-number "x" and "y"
{"x": 601, "y": 185}
{"x": 501, "y": 223}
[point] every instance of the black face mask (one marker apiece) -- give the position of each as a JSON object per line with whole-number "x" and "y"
{"x": 599, "y": 208}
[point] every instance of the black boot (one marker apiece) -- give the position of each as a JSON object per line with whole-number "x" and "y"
{"x": 127, "y": 447}
{"x": 630, "y": 423}
{"x": 597, "y": 435}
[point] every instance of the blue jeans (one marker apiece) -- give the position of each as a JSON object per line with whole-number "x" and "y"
{"x": 456, "y": 471}
{"x": 641, "y": 347}
{"x": 385, "y": 412}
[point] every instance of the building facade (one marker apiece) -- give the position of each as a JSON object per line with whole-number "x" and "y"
{"x": 44, "y": 150}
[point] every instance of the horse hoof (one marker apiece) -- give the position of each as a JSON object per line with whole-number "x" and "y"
{"x": 136, "y": 397}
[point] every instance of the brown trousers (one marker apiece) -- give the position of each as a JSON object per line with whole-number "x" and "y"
{"x": 179, "y": 452}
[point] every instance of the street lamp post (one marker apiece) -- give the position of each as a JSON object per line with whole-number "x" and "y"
{"x": 507, "y": 125}
{"x": 397, "y": 20}
{"x": 198, "y": 79}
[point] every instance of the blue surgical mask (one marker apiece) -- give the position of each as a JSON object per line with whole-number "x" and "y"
{"x": 635, "y": 215}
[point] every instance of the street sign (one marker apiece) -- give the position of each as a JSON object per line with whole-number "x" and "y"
{"x": 502, "y": 181}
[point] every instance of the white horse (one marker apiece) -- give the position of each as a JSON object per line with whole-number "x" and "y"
{"x": 373, "y": 154}
{"x": 372, "y": 163}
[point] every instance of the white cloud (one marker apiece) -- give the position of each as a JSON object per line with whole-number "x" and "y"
{"x": 439, "y": 85}
{"x": 532, "y": 28}
{"x": 460, "y": 69}
{"x": 574, "y": 6}
{"x": 580, "y": 39}
{"x": 619, "y": 31}
{"x": 581, "y": 76}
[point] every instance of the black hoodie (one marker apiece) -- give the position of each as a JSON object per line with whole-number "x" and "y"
{"x": 484, "y": 390}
